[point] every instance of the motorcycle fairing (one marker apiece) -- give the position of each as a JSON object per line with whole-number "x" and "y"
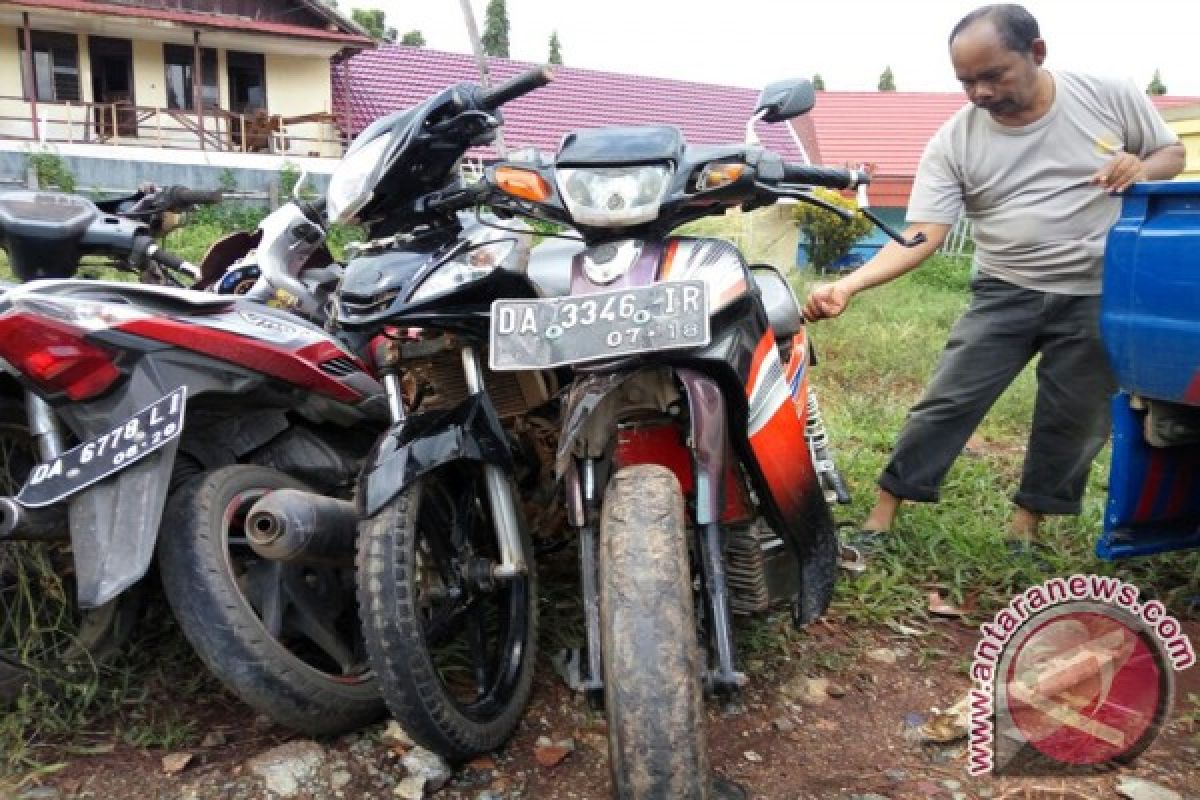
{"x": 470, "y": 431}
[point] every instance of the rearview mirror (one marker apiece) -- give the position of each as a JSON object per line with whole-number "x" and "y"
{"x": 786, "y": 99}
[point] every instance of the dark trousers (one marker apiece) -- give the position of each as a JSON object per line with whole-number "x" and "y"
{"x": 1004, "y": 327}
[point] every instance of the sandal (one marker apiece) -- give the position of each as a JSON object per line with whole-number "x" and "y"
{"x": 1032, "y": 552}
{"x": 857, "y": 545}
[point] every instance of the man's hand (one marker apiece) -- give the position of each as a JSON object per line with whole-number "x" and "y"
{"x": 827, "y": 301}
{"x": 1121, "y": 172}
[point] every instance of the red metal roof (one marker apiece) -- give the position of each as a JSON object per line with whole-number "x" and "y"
{"x": 396, "y": 76}
{"x": 890, "y": 129}
{"x": 199, "y": 19}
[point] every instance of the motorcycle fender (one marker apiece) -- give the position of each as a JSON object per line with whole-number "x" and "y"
{"x": 469, "y": 432}
{"x": 114, "y": 527}
{"x": 586, "y": 412}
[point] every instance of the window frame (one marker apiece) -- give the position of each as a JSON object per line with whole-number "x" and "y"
{"x": 48, "y": 45}
{"x": 210, "y": 92}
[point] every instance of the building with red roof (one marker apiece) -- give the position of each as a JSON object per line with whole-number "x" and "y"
{"x": 394, "y": 77}
{"x": 889, "y": 130}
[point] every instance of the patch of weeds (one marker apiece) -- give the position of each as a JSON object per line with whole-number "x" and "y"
{"x": 52, "y": 172}
{"x": 164, "y": 728}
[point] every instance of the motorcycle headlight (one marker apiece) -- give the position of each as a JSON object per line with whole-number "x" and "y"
{"x": 614, "y": 196}
{"x": 470, "y": 265}
{"x": 352, "y": 184}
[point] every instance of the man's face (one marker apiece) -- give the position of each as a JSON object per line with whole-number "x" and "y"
{"x": 995, "y": 78}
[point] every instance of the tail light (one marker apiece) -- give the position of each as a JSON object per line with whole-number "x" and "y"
{"x": 56, "y": 355}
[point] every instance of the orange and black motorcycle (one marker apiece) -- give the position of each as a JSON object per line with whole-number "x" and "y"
{"x": 688, "y": 474}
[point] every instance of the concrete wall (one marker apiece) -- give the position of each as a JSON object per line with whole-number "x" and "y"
{"x": 114, "y": 173}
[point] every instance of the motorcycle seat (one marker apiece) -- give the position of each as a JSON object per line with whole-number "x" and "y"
{"x": 137, "y": 293}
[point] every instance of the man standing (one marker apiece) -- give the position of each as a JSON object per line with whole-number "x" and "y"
{"x": 1035, "y": 162}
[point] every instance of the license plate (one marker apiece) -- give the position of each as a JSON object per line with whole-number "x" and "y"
{"x": 552, "y": 332}
{"x": 96, "y": 459}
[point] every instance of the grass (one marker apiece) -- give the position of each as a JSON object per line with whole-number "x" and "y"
{"x": 874, "y": 362}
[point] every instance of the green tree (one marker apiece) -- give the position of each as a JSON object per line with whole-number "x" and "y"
{"x": 818, "y": 82}
{"x": 828, "y": 236}
{"x": 372, "y": 20}
{"x": 413, "y": 38}
{"x": 887, "y": 81}
{"x": 1156, "y": 87}
{"x": 555, "y": 49}
{"x": 495, "y": 29}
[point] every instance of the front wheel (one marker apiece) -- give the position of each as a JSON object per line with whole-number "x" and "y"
{"x": 652, "y": 664}
{"x": 453, "y": 647}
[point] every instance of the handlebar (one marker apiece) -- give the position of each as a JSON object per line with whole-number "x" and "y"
{"x": 493, "y": 98}
{"x": 172, "y": 261}
{"x": 181, "y": 198}
{"x": 830, "y": 177}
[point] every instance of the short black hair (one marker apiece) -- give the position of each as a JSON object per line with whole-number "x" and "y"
{"x": 1014, "y": 23}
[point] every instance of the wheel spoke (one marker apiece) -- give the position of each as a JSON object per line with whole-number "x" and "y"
{"x": 479, "y": 649}
{"x": 311, "y": 619}
{"x": 266, "y": 580}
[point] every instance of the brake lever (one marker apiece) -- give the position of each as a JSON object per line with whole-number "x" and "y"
{"x": 807, "y": 197}
{"x": 892, "y": 233}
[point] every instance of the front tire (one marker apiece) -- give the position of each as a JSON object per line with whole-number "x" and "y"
{"x": 652, "y": 662}
{"x": 454, "y": 651}
{"x": 282, "y": 636}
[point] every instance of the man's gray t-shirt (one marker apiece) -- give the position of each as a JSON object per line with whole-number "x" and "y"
{"x": 1038, "y": 222}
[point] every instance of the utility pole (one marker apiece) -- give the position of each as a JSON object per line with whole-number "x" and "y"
{"x": 481, "y": 59}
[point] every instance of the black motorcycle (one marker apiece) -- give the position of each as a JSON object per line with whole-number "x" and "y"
{"x": 447, "y": 592}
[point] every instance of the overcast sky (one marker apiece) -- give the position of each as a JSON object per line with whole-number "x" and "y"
{"x": 753, "y": 42}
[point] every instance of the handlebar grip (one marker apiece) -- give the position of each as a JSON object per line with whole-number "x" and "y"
{"x": 829, "y": 177}
{"x": 172, "y": 261}
{"x": 180, "y": 198}
{"x": 493, "y": 98}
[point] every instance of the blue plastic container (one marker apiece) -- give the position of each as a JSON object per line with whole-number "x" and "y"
{"x": 1150, "y": 313}
{"x": 1150, "y": 320}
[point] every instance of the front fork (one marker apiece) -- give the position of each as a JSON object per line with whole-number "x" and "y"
{"x": 710, "y": 449}
{"x": 500, "y": 491}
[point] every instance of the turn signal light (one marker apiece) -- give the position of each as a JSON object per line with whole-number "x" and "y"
{"x": 715, "y": 176}
{"x": 523, "y": 183}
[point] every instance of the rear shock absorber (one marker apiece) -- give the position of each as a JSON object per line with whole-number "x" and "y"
{"x": 818, "y": 445}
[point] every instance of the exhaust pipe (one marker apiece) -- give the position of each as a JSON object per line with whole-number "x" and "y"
{"x": 295, "y": 525}
{"x": 20, "y": 523}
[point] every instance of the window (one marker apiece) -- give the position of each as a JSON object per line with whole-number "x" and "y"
{"x": 55, "y": 66}
{"x": 180, "y": 61}
{"x": 247, "y": 81}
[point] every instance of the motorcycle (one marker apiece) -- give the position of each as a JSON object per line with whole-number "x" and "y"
{"x": 688, "y": 476}
{"x": 132, "y": 391}
{"x": 447, "y": 586}
{"x": 1149, "y": 324}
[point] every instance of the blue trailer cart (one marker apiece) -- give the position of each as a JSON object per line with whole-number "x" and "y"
{"x": 1150, "y": 321}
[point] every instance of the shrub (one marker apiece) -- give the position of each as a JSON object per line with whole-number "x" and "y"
{"x": 829, "y": 237}
{"x": 51, "y": 171}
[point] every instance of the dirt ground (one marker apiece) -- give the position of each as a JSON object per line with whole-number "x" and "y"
{"x": 856, "y": 741}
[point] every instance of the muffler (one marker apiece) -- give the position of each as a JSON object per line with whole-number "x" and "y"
{"x": 295, "y": 525}
{"x": 20, "y": 523}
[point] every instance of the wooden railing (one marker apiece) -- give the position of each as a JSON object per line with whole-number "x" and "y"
{"x": 219, "y": 130}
